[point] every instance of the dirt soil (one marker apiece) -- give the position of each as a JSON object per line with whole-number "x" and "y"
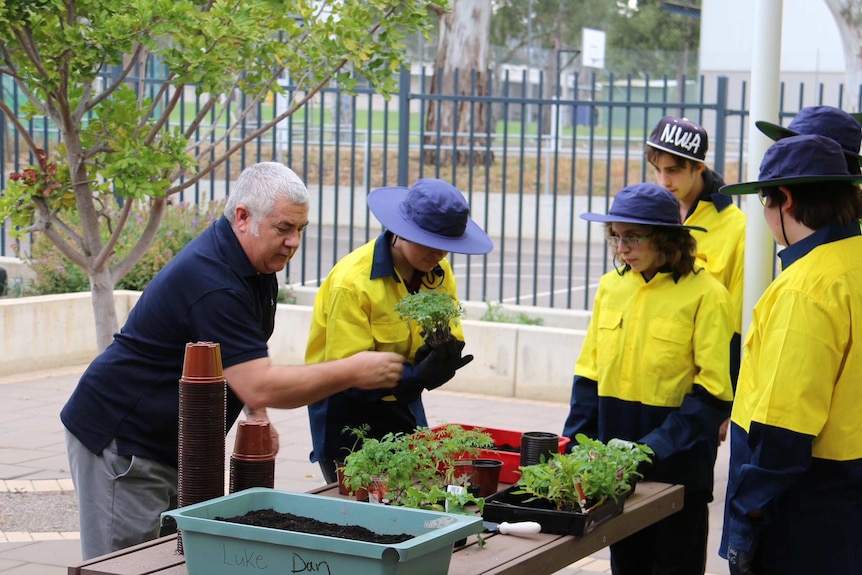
{"x": 290, "y": 522}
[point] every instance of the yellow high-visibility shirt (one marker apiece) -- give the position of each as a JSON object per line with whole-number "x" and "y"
{"x": 650, "y": 342}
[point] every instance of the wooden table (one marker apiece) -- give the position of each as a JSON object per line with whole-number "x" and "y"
{"x": 537, "y": 554}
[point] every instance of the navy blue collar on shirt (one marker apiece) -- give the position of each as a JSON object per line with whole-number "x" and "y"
{"x": 233, "y": 251}
{"x": 711, "y": 184}
{"x": 382, "y": 264}
{"x": 831, "y": 233}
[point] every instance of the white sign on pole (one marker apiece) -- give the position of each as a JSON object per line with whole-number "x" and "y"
{"x": 593, "y": 48}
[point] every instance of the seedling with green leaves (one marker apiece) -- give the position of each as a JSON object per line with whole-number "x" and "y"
{"x": 434, "y": 311}
{"x": 586, "y": 477}
{"x": 415, "y": 469}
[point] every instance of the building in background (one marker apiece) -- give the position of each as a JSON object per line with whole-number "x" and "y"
{"x": 812, "y": 60}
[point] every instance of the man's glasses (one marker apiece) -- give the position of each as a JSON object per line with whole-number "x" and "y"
{"x": 764, "y": 197}
{"x": 628, "y": 241}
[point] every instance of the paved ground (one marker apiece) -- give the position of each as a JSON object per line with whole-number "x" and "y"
{"x": 38, "y": 521}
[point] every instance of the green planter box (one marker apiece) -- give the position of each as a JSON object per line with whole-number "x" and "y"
{"x": 220, "y": 548}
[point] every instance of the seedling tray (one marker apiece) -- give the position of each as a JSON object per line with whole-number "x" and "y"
{"x": 508, "y": 506}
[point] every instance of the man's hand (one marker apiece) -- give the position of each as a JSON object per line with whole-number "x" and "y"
{"x": 377, "y": 369}
{"x": 740, "y": 562}
{"x": 262, "y": 415}
{"x": 722, "y": 430}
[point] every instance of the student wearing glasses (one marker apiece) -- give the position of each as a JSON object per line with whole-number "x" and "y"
{"x": 794, "y": 489}
{"x": 654, "y": 369}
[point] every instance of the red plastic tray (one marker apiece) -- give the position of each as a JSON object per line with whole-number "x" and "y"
{"x": 511, "y": 459}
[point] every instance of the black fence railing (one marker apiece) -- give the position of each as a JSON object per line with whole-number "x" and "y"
{"x": 529, "y": 153}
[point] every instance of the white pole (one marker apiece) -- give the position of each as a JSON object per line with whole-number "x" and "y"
{"x": 765, "y": 78}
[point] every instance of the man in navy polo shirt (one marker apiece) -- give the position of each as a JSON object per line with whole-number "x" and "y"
{"x": 121, "y": 421}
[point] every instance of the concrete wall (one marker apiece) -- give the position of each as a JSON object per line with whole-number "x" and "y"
{"x": 512, "y": 360}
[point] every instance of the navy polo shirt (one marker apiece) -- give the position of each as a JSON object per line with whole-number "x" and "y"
{"x": 208, "y": 292}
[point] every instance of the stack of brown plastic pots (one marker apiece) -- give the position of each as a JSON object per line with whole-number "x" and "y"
{"x": 201, "y": 426}
{"x": 252, "y": 463}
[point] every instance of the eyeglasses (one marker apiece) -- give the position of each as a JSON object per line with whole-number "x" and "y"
{"x": 764, "y": 198}
{"x": 628, "y": 241}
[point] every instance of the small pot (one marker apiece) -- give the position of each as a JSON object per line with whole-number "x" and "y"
{"x": 486, "y": 474}
{"x": 535, "y": 444}
{"x": 339, "y": 472}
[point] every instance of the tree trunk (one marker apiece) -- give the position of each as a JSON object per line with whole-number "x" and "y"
{"x": 848, "y": 17}
{"x": 104, "y": 310}
{"x": 458, "y": 132}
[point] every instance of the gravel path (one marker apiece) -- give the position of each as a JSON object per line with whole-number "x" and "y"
{"x": 38, "y": 512}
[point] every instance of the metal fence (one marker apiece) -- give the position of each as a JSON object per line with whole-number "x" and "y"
{"x": 529, "y": 168}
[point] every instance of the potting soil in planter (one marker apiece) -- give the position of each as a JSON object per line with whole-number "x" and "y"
{"x": 215, "y": 547}
{"x": 511, "y": 507}
{"x": 290, "y": 522}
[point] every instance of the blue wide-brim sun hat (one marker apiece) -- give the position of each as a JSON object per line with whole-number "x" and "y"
{"x": 828, "y": 121}
{"x": 798, "y": 160}
{"x": 431, "y": 213}
{"x": 648, "y": 204}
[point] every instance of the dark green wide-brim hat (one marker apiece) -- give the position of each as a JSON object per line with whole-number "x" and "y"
{"x": 799, "y": 160}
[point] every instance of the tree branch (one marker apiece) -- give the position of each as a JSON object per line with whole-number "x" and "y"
{"x": 120, "y": 79}
{"x": 269, "y": 125}
{"x": 45, "y": 223}
{"x": 25, "y": 134}
{"x": 157, "y": 210}
{"x": 166, "y": 114}
{"x": 108, "y": 248}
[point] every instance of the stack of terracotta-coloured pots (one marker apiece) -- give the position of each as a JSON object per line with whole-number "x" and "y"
{"x": 252, "y": 463}
{"x": 201, "y": 426}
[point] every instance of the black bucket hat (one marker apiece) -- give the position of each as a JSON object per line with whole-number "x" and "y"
{"x": 648, "y": 204}
{"x": 432, "y": 213}
{"x": 798, "y": 160}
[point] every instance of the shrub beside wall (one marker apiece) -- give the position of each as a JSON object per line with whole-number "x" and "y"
{"x": 57, "y": 274}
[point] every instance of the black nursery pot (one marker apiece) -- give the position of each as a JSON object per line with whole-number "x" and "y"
{"x": 535, "y": 444}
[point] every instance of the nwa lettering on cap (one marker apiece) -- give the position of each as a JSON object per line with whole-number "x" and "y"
{"x": 681, "y": 137}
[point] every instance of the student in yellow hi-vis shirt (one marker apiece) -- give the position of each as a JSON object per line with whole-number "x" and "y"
{"x": 654, "y": 369}
{"x": 676, "y": 149}
{"x": 355, "y": 311}
{"x": 794, "y": 491}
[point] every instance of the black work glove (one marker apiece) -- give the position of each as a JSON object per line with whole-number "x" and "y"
{"x": 431, "y": 368}
{"x": 644, "y": 467}
{"x": 740, "y": 562}
{"x": 441, "y": 363}
{"x": 410, "y": 387}
{"x": 421, "y": 354}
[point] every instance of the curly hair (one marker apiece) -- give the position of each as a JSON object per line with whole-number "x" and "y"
{"x": 676, "y": 247}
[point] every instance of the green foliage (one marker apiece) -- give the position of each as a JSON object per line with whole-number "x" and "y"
{"x": 650, "y": 39}
{"x": 415, "y": 469}
{"x": 496, "y": 313}
{"x": 76, "y": 62}
{"x": 586, "y": 477}
{"x": 433, "y": 311}
{"x": 56, "y": 274}
{"x": 641, "y": 38}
